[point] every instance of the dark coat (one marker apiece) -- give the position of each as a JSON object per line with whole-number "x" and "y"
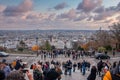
{"x": 2, "y": 75}
{"x": 52, "y": 74}
{"x": 100, "y": 66}
{"x": 37, "y": 75}
{"x": 18, "y": 65}
{"x": 92, "y": 75}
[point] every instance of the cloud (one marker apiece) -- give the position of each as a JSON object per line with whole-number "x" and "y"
{"x": 118, "y": 18}
{"x": 99, "y": 9}
{"x": 108, "y": 21}
{"x": 60, "y": 6}
{"x": 89, "y": 5}
{"x": 24, "y": 7}
{"x": 104, "y": 15}
{"x": 81, "y": 17}
{"x": 2, "y": 8}
{"x": 89, "y": 16}
{"x": 40, "y": 16}
{"x": 118, "y": 6}
{"x": 71, "y": 14}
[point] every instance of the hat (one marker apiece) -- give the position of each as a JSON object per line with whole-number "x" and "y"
{"x": 106, "y": 67}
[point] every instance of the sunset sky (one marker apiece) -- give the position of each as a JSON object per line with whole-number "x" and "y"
{"x": 58, "y": 14}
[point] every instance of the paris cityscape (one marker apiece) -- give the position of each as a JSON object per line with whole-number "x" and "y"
{"x": 59, "y": 39}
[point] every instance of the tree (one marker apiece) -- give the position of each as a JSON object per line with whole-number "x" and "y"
{"x": 101, "y": 49}
{"x": 21, "y": 46}
{"x": 52, "y": 47}
{"x": 101, "y": 38}
{"x": 115, "y": 30}
{"x": 108, "y": 47}
{"x": 20, "y": 49}
{"x": 80, "y": 48}
{"x": 2, "y": 48}
{"x": 75, "y": 45}
{"x": 47, "y": 46}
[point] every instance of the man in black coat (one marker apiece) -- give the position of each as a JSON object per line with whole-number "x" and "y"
{"x": 52, "y": 74}
{"x": 69, "y": 66}
{"x": 100, "y": 66}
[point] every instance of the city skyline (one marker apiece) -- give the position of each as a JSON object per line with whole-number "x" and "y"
{"x": 58, "y": 14}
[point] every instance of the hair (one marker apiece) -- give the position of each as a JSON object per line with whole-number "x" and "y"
{"x": 15, "y": 75}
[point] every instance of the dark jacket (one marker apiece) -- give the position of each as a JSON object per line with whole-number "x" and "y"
{"x": 52, "y": 74}
{"x": 37, "y": 75}
{"x": 92, "y": 75}
{"x": 2, "y": 75}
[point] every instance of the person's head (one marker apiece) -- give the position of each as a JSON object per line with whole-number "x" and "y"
{"x": 15, "y": 75}
{"x": 52, "y": 66}
{"x": 93, "y": 65}
{"x": 105, "y": 69}
{"x": 38, "y": 67}
{"x": 3, "y": 64}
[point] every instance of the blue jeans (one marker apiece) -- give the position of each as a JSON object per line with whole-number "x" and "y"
{"x": 69, "y": 71}
{"x": 83, "y": 70}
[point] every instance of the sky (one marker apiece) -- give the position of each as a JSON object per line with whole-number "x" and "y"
{"x": 58, "y": 14}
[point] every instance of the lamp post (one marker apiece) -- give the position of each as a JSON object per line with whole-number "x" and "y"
{"x": 65, "y": 47}
{"x": 37, "y": 44}
{"x": 36, "y": 40}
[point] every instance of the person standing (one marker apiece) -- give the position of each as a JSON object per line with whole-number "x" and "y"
{"x": 6, "y": 68}
{"x": 74, "y": 66}
{"x": 69, "y": 67}
{"x": 113, "y": 53}
{"x": 59, "y": 71}
{"x": 99, "y": 67}
{"x": 38, "y": 73}
{"x": 2, "y": 75}
{"x": 83, "y": 67}
{"x": 93, "y": 72}
{"x": 52, "y": 73}
{"x": 110, "y": 75}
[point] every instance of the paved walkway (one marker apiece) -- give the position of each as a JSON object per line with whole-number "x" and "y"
{"x": 75, "y": 75}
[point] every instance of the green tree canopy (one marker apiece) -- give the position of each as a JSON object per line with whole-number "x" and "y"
{"x": 47, "y": 46}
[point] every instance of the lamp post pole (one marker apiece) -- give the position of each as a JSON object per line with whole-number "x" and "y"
{"x": 37, "y": 44}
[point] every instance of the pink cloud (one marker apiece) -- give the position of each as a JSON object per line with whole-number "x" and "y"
{"x": 89, "y": 5}
{"x": 24, "y": 7}
{"x": 2, "y": 8}
{"x": 60, "y": 6}
{"x": 71, "y": 14}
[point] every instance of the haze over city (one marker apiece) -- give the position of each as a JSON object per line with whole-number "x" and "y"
{"x": 58, "y": 14}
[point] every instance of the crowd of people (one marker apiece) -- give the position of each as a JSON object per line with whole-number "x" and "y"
{"x": 74, "y": 54}
{"x": 53, "y": 70}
